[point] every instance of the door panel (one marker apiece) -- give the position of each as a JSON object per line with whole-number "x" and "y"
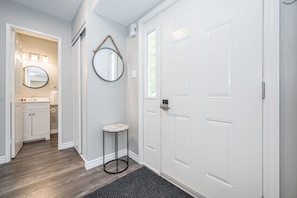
{"x": 77, "y": 128}
{"x": 152, "y": 134}
{"x": 178, "y": 122}
{"x": 16, "y": 94}
{"x": 151, "y": 141}
{"x": 27, "y": 123}
{"x": 211, "y": 76}
{"x": 182, "y": 140}
{"x": 219, "y": 151}
{"x": 218, "y": 61}
{"x": 40, "y": 124}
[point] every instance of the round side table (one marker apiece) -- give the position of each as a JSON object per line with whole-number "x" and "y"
{"x": 115, "y": 129}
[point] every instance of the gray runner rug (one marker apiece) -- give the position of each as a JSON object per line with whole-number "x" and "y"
{"x": 142, "y": 183}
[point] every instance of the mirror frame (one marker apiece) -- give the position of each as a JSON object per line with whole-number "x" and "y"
{"x": 40, "y": 69}
{"x": 123, "y": 71}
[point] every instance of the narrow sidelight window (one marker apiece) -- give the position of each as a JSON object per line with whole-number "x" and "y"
{"x": 151, "y": 67}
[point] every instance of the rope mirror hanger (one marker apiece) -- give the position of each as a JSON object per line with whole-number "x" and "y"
{"x": 116, "y": 47}
{"x": 107, "y": 62}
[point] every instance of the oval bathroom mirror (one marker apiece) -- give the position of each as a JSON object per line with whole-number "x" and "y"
{"x": 108, "y": 65}
{"x": 34, "y": 77}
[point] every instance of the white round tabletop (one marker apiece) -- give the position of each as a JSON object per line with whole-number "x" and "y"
{"x": 113, "y": 128}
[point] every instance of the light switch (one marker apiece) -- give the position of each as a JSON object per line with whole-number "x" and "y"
{"x": 133, "y": 74}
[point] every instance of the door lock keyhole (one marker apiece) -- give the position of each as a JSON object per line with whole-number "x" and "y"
{"x": 165, "y": 105}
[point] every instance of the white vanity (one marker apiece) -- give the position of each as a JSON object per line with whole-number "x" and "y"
{"x": 36, "y": 119}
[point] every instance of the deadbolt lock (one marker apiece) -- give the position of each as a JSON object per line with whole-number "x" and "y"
{"x": 164, "y": 105}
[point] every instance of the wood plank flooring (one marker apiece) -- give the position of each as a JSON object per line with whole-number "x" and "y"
{"x": 40, "y": 170}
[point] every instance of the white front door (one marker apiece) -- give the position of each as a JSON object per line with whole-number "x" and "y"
{"x": 152, "y": 135}
{"x": 211, "y": 77}
{"x": 77, "y": 129}
{"x": 16, "y": 94}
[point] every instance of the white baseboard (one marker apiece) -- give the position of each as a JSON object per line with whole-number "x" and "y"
{"x": 93, "y": 163}
{"x": 99, "y": 161}
{"x": 2, "y": 159}
{"x": 54, "y": 131}
{"x": 66, "y": 145}
{"x": 133, "y": 156}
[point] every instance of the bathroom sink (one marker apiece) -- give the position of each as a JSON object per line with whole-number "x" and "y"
{"x": 36, "y": 99}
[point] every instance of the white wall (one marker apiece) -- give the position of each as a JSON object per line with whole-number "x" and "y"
{"x": 288, "y": 99}
{"x": 19, "y": 15}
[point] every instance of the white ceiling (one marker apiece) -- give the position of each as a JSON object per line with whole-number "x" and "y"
{"x": 64, "y": 9}
{"x": 125, "y": 11}
{"x": 121, "y": 11}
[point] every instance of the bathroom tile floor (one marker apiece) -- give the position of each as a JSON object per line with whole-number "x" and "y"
{"x": 40, "y": 170}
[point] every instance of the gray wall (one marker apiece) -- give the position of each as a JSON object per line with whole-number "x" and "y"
{"x": 105, "y": 102}
{"x": 132, "y": 92}
{"x": 17, "y": 14}
{"x": 288, "y": 99}
{"x": 79, "y": 18}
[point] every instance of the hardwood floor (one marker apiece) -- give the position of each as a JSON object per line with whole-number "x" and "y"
{"x": 40, "y": 170}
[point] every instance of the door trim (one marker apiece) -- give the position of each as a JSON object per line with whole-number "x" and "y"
{"x": 271, "y": 116}
{"x": 9, "y": 28}
{"x": 271, "y": 113}
{"x": 79, "y": 89}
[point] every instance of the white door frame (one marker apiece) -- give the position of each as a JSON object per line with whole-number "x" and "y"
{"x": 271, "y": 104}
{"x": 9, "y": 28}
{"x": 271, "y": 116}
{"x": 81, "y": 116}
{"x": 79, "y": 90}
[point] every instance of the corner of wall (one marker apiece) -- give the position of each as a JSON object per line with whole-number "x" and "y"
{"x": 2, "y": 159}
{"x": 66, "y": 145}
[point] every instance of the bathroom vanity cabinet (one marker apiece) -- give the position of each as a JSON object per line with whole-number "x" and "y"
{"x": 36, "y": 121}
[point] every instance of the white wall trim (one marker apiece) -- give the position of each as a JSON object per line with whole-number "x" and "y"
{"x": 93, "y": 163}
{"x": 140, "y": 93}
{"x": 99, "y": 161}
{"x": 77, "y": 106}
{"x": 7, "y": 94}
{"x": 271, "y": 112}
{"x": 66, "y": 145}
{"x": 2, "y": 159}
{"x": 60, "y": 112}
{"x": 134, "y": 156}
{"x": 9, "y": 28}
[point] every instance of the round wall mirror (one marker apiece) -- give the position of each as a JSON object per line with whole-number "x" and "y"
{"x": 108, "y": 65}
{"x": 34, "y": 77}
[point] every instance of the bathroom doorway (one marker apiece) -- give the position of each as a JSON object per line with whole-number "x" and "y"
{"x": 38, "y": 52}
